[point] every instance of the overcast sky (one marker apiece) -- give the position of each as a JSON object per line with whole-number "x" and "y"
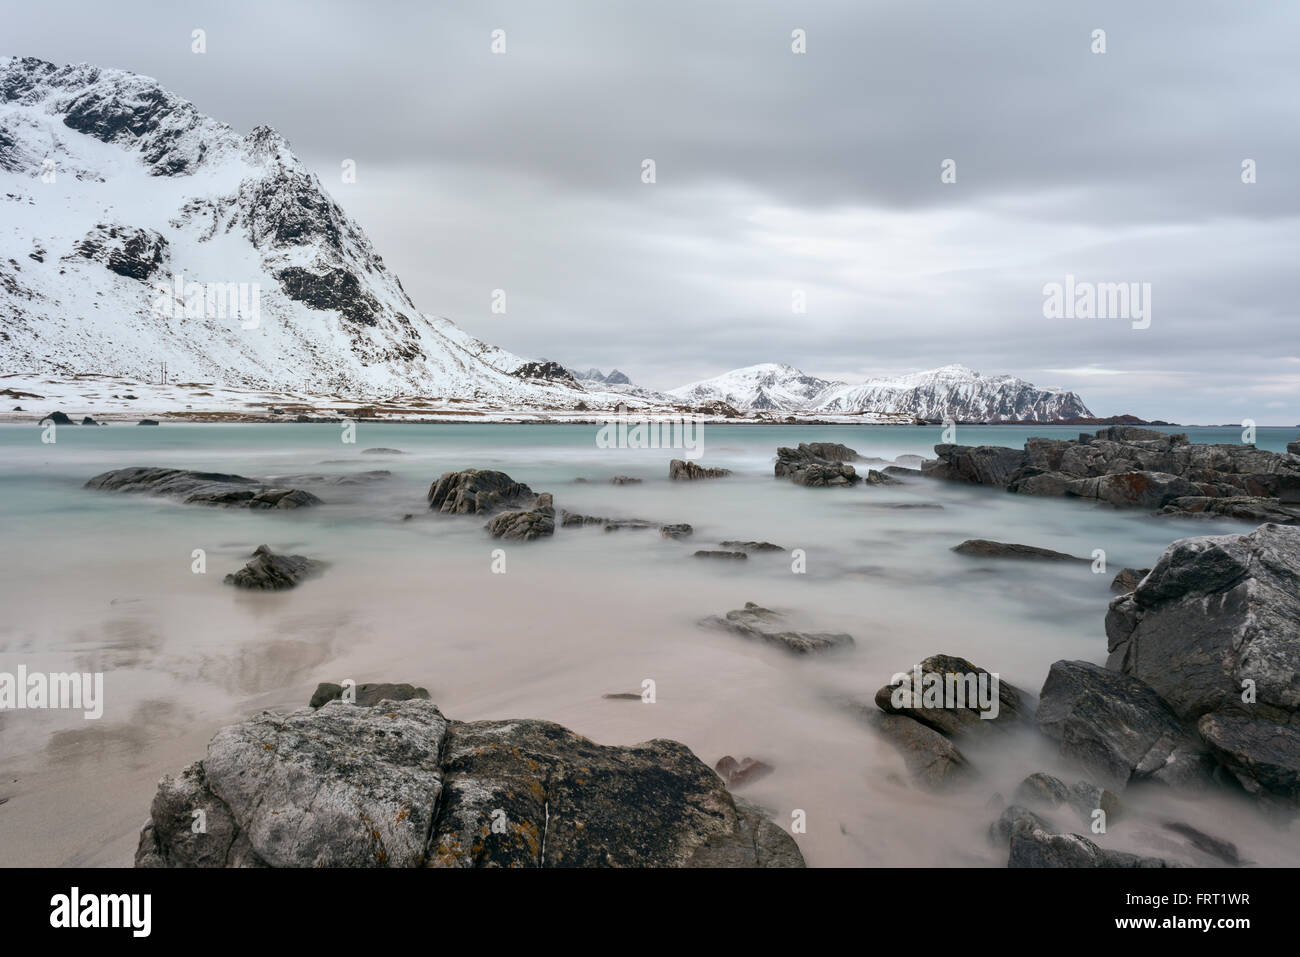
{"x": 776, "y": 172}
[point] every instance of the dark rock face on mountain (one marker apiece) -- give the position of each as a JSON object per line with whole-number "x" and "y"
{"x": 269, "y": 571}
{"x": 819, "y": 465}
{"x": 1134, "y": 467}
{"x": 763, "y": 624}
{"x": 202, "y": 488}
{"x": 126, "y": 250}
{"x": 550, "y": 371}
{"x": 476, "y": 492}
{"x": 399, "y": 785}
{"x": 1118, "y": 727}
{"x": 535, "y": 522}
{"x": 680, "y": 470}
{"x": 983, "y": 548}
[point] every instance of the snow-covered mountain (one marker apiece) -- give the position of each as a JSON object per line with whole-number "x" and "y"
{"x": 615, "y": 381}
{"x": 957, "y": 393}
{"x": 766, "y": 387}
{"x": 135, "y": 231}
{"x": 951, "y": 392}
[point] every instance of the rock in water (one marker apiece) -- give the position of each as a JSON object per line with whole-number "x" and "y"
{"x": 476, "y": 492}
{"x": 536, "y": 522}
{"x": 931, "y": 759}
{"x": 716, "y": 553}
{"x": 819, "y": 465}
{"x": 202, "y": 488}
{"x": 271, "y": 572}
{"x": 986, "y": 549}
{"x": 398, "y": 785}
{"x": 683, "y": 471}
{"x": 58, "y": 418}
{"x": 1128, "y": 579}
{"x": 1215, "y": 613}
{"x": 1264, "y": 756}
{"x": 1118, "y": 727}
{"x": 949, "y": 698}
{"x": 368, "y": 694}
{"x": 739, "y": 773}
{"x": 764, "y": 624}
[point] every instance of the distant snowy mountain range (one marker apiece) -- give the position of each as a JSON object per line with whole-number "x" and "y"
{"x": 137, "y": 232}
{"x": 951, "y": 392}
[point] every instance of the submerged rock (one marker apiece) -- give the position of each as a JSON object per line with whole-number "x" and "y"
{"x": 932, "y": 760}
{"x": 739, "y": 773}
{"x": 399, "y": 785}
{"x": 764, "y": 624}
{"x": 716, "y": 553}
{"x": 1128, "y": 579}
{"x": 678, "y": 531}
{"x": 202, "y": 488}
{"x": 367, "y": 694}
{"x": 1032, "y": 845}
{"x": 683, "y": 471}
{"x": 752, "y": 546}
{"x": 269, "y": 571}
{"x": 987, "y": 549}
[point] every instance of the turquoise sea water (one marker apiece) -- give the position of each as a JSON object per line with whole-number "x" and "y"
{"x": 102, "y": 582}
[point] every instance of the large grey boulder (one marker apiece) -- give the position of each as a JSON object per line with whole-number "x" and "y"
{"x": 680, "y": 470}
{"x": 399, "y": 785}
{"x": 817, "y": 465}
{"x": 1263, "y": 756}
{"x": 476, "y": 492}
{"x": 948, "y": 698}
{"x": 536, "y": 522}
{"x": 1118, "y": 728}
{"x": 1216, "y": 617}
{"x": 1150, "y": 490}
{"x": 980, "y": 465}
{"x": 1034, "y": 846}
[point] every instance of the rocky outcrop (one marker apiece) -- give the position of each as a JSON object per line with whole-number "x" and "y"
{"x": 763, "y": 624}
{"x": 535, "y": 522}
{"x": 739, "y": 773}
{"x": 817, "y": 465}
{"x": 956, "y": 698}
{"x": 1034, "y": 846}
{"x": 1118, "y": 728}
{"x": 680, "y": 470}
{"x": 477, "y": 492}
{"x": 367, "y": 694}
{"x": 983, "y": 548}
{"x": 1127, "y": 579}
{"x": 1215, "y": 626}
{"x": 752, "y": 546}
{"x": 399, "y": 785}
{"x": 1263, "y": 756}
{"x": 719, "y": 553}
{"x": 269, "y": 571}
{"x": 202, "y": 488}
{"x": 1133, "y": 467}
{"x": 932, "y": 760}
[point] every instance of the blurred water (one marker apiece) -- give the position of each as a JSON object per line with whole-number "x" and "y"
{"x": 103, "y": 582}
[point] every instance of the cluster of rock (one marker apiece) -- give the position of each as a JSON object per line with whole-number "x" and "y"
{"x": 1135, "y": 467}
{"x": 202, "y": 488}
{"x": 517, "y": 511}
{"x": 396, "y": 784}
{"x": 818, "y": 464}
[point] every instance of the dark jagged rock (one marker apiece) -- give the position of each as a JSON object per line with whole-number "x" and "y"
{"x": 58, "y": 418}
{"x": 1225, "y": 851}
{"x": 880, "y": 478}
{"x": 546, "y": 371}
{"x": 737, "y": 774}
{"x": 806, "y": 465}
{"x": 87, "y": 420}
{"x": 680, "y": 470}
{"x": 763, "y": 624}
{"x": 1034, "y": 846}
{"x": 1216, "y": 613}
{"x": 382, "y": 451}
{"x": 1118, "y": 728}
{"x": 949, "y": 702}
{"x": 1264, "y": 756}
{"x": 536, "y": 522}
{"x": 1133, "y": 467}
{"x": 1012, "y": 818}
{"x": 477, "y": 492}
{"x": 717, "y": 553}
{"x": 1128, "y": 579}
{"x": 985, "y": 549}
{"x": 624, "y": 480}
{"x": 1083, "y": 796}
{"x": 752, "y": 546}
{"x": 399, "y": 785}
{"x": 932, "y": 760}
{"x": 678, "y": 531}
{"x": 269, "y": 571}
{"x": 147, "y": 422}
{"x": 368, "y": 693}
{"x": 215, "y": 489}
